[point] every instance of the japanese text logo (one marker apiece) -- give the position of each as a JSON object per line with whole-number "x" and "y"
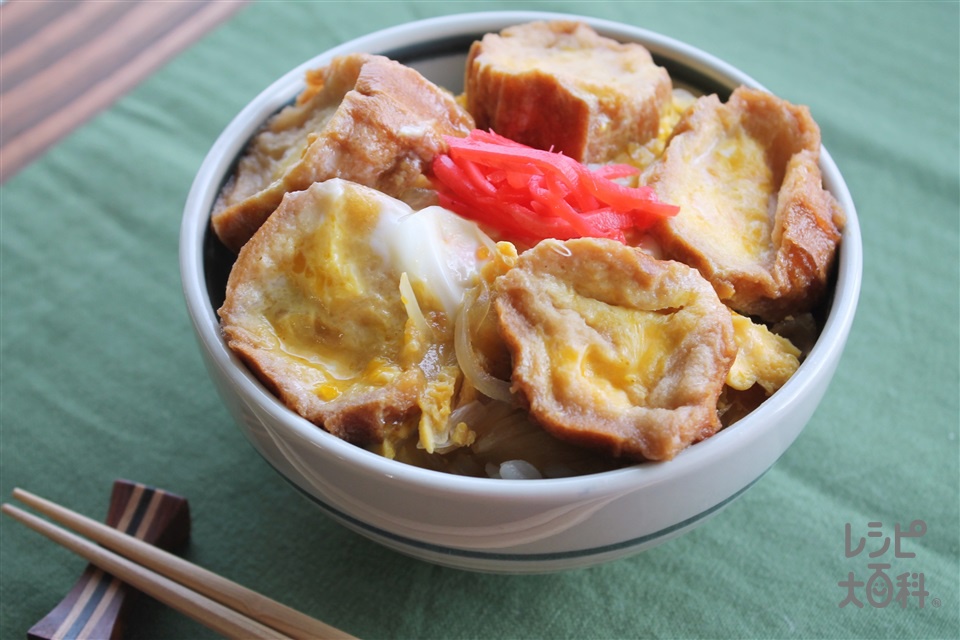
{"x": 882, "y": 585}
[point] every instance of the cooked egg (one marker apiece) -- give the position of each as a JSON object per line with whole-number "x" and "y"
{"x": 345, "y": 301}
{"x": 434, "y": 247}
{"x": 615, "y": 350}
{"x": 763, "y": 357}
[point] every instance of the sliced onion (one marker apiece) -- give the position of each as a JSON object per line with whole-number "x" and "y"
{"x": 409, "y": 299}
{"x": 473, "y": 370}
{"x": 519, "y": 470}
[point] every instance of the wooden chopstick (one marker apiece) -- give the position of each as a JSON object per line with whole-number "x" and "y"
{"x": 208, "y": 598}
{"x": 205, "y": 611}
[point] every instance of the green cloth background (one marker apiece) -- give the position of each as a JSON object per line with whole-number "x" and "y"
{"x": 101, "y": 377}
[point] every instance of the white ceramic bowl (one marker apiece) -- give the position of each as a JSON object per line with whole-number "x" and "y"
{"x": 517, "y": 526}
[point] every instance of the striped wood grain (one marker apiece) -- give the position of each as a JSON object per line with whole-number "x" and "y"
{"x": 62, "y": 62}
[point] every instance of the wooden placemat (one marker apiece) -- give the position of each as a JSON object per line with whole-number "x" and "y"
{"x": 63, "y": 62}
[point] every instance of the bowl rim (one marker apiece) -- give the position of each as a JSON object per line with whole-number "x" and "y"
{"x": 220, "y": 157}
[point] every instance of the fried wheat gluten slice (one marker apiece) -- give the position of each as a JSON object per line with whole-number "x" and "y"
{"x": 316, "y": 314}
{"x": 754, "y": 217}
{"x": 561, "y": 85}
{"x": 613, "y": 349}
{"x": 363, "y": 118}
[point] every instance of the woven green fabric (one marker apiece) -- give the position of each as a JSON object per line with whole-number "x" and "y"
{"x": 101, "y": 377}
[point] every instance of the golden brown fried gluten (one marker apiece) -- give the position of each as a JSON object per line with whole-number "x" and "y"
{"x": 561, "y": 85}
{"x": 754, "y": 217}
{"x": 363, "y": 118}
{"x": 613, "y": 349}
{"x": 318, "y": 318}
